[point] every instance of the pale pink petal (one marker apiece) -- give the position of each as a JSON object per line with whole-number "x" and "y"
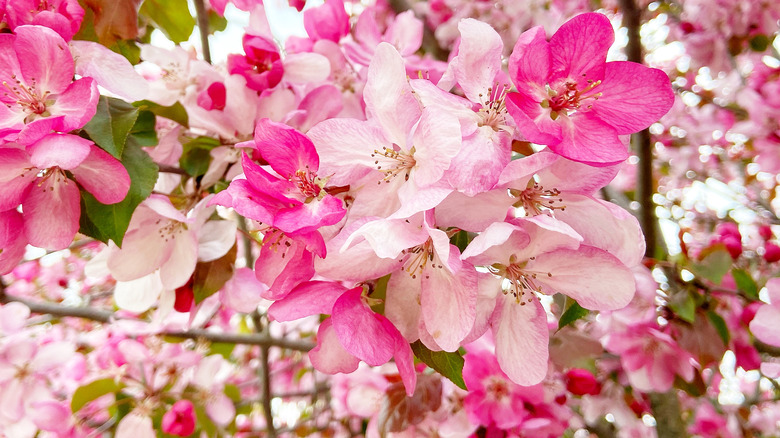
{"x": 12, "y": 399}
{"x": 135, "y": 425}
{"x": 360, "y": 331}
{"x": 605, "y": 226}
{"x": 243, "y": 292}
{"x": 13, "y": 162}
{"x": 571, "y": 176}
{"x": 178, "y": 268}
{"x": 103, "y": 176}
{"x": 530, "y": 59}
{"x": 51, "y": 212}
{"x": 496, "y": 244}
{"x": 437, "y": 140}
{"x": 220, "y": 408}
{"x": 402, "y": 304}
{"x": 449, "y": 302}
{"x": 521, "y": 336}
{"x": 632, "y": 96}
{"x": 51, "y": 416}
{"x": 15, "y": 190}
{"x": 388, "y": 237}
{"x": 479, "y": 163}
{"x": 388, "y": 95}
{"x": 579, "y": 48}
{"x": 773, "y": 288}
{"x": 329, "y": 356}
{"x": 765, "y": 326}
{"x": 306, "y": 68}
{"x": 215, "y": 239}
{"x": 484, "y": 209}
{"x": 593, "y": 277}
{"x": 310, "y": 298}
{"x": 415, "y": 200}
{"x": 478, "y": 59}
{"x": 44, "y": 58}
{"x": 52, "y": 355}
{"x": 138, "y": 295}
{"x": 322, "y": 103}
{"x": 405, "y": 33}
{"x": 346, "y": 146}
{"x": 143, "y": 252}
{"x": 59, "y": 150}
{"x": 13, "y": 316}
{"x": 110, "y": 70}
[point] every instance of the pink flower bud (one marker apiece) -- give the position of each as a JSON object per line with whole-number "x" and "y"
{"x": 180, "y": 420}
{"x": 580, "y": 382}
{"x": 733, "y": 245}
{"x": 772, "y": 252}
{"x": 728, "y": 229}
{"x": 765, "y": 231}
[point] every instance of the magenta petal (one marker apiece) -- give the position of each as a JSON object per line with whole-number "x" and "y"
{"x": 310, "y": 298}
{"x": 589, "y": 140}
{"x": 311, "y": 216}
{"x": 78, "y": 104}
{"x": 59, "y": 150}
{"x": 284, "y": 148}
{"x": 533, "y": 121}
{"x": 283, "y": 266}
{"x": 103, "y": 176}
{"x": 633, "y": 96}
{"x": 51, "y": 212}
{"x": 530, "y": 59}
{"x": 329, "y": 356}
{"x": 404, "y": 358}
{"x": 15, "y": 190}
{"x": 44, "y": 58}
{"x": 12, "y": 240}
{"x": 360, "y": 331}
{"x": 522, "y": 339}
{"x": 579, "y": 48}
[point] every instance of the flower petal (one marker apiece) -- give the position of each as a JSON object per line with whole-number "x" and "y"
{"x": 521, "y": 335}
{"x": 51, "y": 212}
{"x": 579, "y": 48}
{"x": 59, "y": 150}
{"x": 44, "y": 58}
{"x": 359, "y": 330}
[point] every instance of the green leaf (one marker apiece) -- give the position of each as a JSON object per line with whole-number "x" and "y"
{"x": 144, "y": 130}
{"x": 461, "y": 239}
{"x": 572, "y": 313}
{"x": 111, "y": 124}
{"x": 449, "y": 365}
{"x": 216, "y": 23}
{"x": 175, "y": 112}
{"x": 105, "y": 222}
{"x": 745, "y": 283}
{"x": 209, "y": 277}
{"x": 714, "y": 265}
{"x": 172, "y": 17}
{"x": 91, "y": 391}
{"x": 720, "y": 326}
{"x": 195, "y": 162}
{"x": 759, "y": 43}
{"x": 233, "y": 392}
{"x": 684, "y": 306}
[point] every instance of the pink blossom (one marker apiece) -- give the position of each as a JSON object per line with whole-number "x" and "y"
{"x": 39, "y": 92}
{"x": 180, "y": 420}
{"x": 766, "y": 324}
{"x": 12, "y": 240}
{"x": 572, "y": 100}
{"x": 328, "y": 21}
{"x": 36, "y": 178}
{"x": 62, "y": 16}
{"x": 261, "y": 66}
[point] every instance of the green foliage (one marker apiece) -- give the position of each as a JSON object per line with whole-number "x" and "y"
{"x": 91, "y": 391}
{"x": 714, "y": 265}
{"x": 111, "y": 125}
{"x": 104, "y": 222}
{"x": 461, "y": 239}
{"x": 449, "y": 365}
{"x": 720, "y": 326}
{"x": 745, "y": 283}
{"x": 684, "y": 305}
{"x": 175, "y": 112}
{"x": 572, "y": 313}
{"x": 172, "y": 17}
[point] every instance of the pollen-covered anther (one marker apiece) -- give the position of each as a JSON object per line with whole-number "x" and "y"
{"x": 306, "y": 181}
{"x": 393, "y": 163}
{"x": 521, "y": 281}
{"x": 25, "y": 96}
{"x": 567, "y": 99}
{"x": 493, "y": 112}
{"x": 535, "y": 199}
{"x": 418, "y": 257}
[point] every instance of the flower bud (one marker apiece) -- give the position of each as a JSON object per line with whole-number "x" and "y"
{"x": 580, "y": 382}
{"x": 180, "y": 420}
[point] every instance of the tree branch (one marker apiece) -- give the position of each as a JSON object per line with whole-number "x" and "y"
{"x": 203, "y": 27}
{"x": 105, "y": 316}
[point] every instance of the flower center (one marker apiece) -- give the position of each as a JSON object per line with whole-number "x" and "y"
{"x": 493, "y": 112}
{"x": 25, "y": 96}
{"x": 566, "y": 99}
{"x": 497, "y": 388}
{"x": 393, "y": 163}
{"x": 306, "y": 181}
{"x": 523, "y": 283}
{"x": 535, "y": 200}
{"x": 170, "y": 228}
{"x": 417, "y": 258}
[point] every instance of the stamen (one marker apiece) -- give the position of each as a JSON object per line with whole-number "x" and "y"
{"x": 535, "y": 200}
{"x": 401, "y": 162}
